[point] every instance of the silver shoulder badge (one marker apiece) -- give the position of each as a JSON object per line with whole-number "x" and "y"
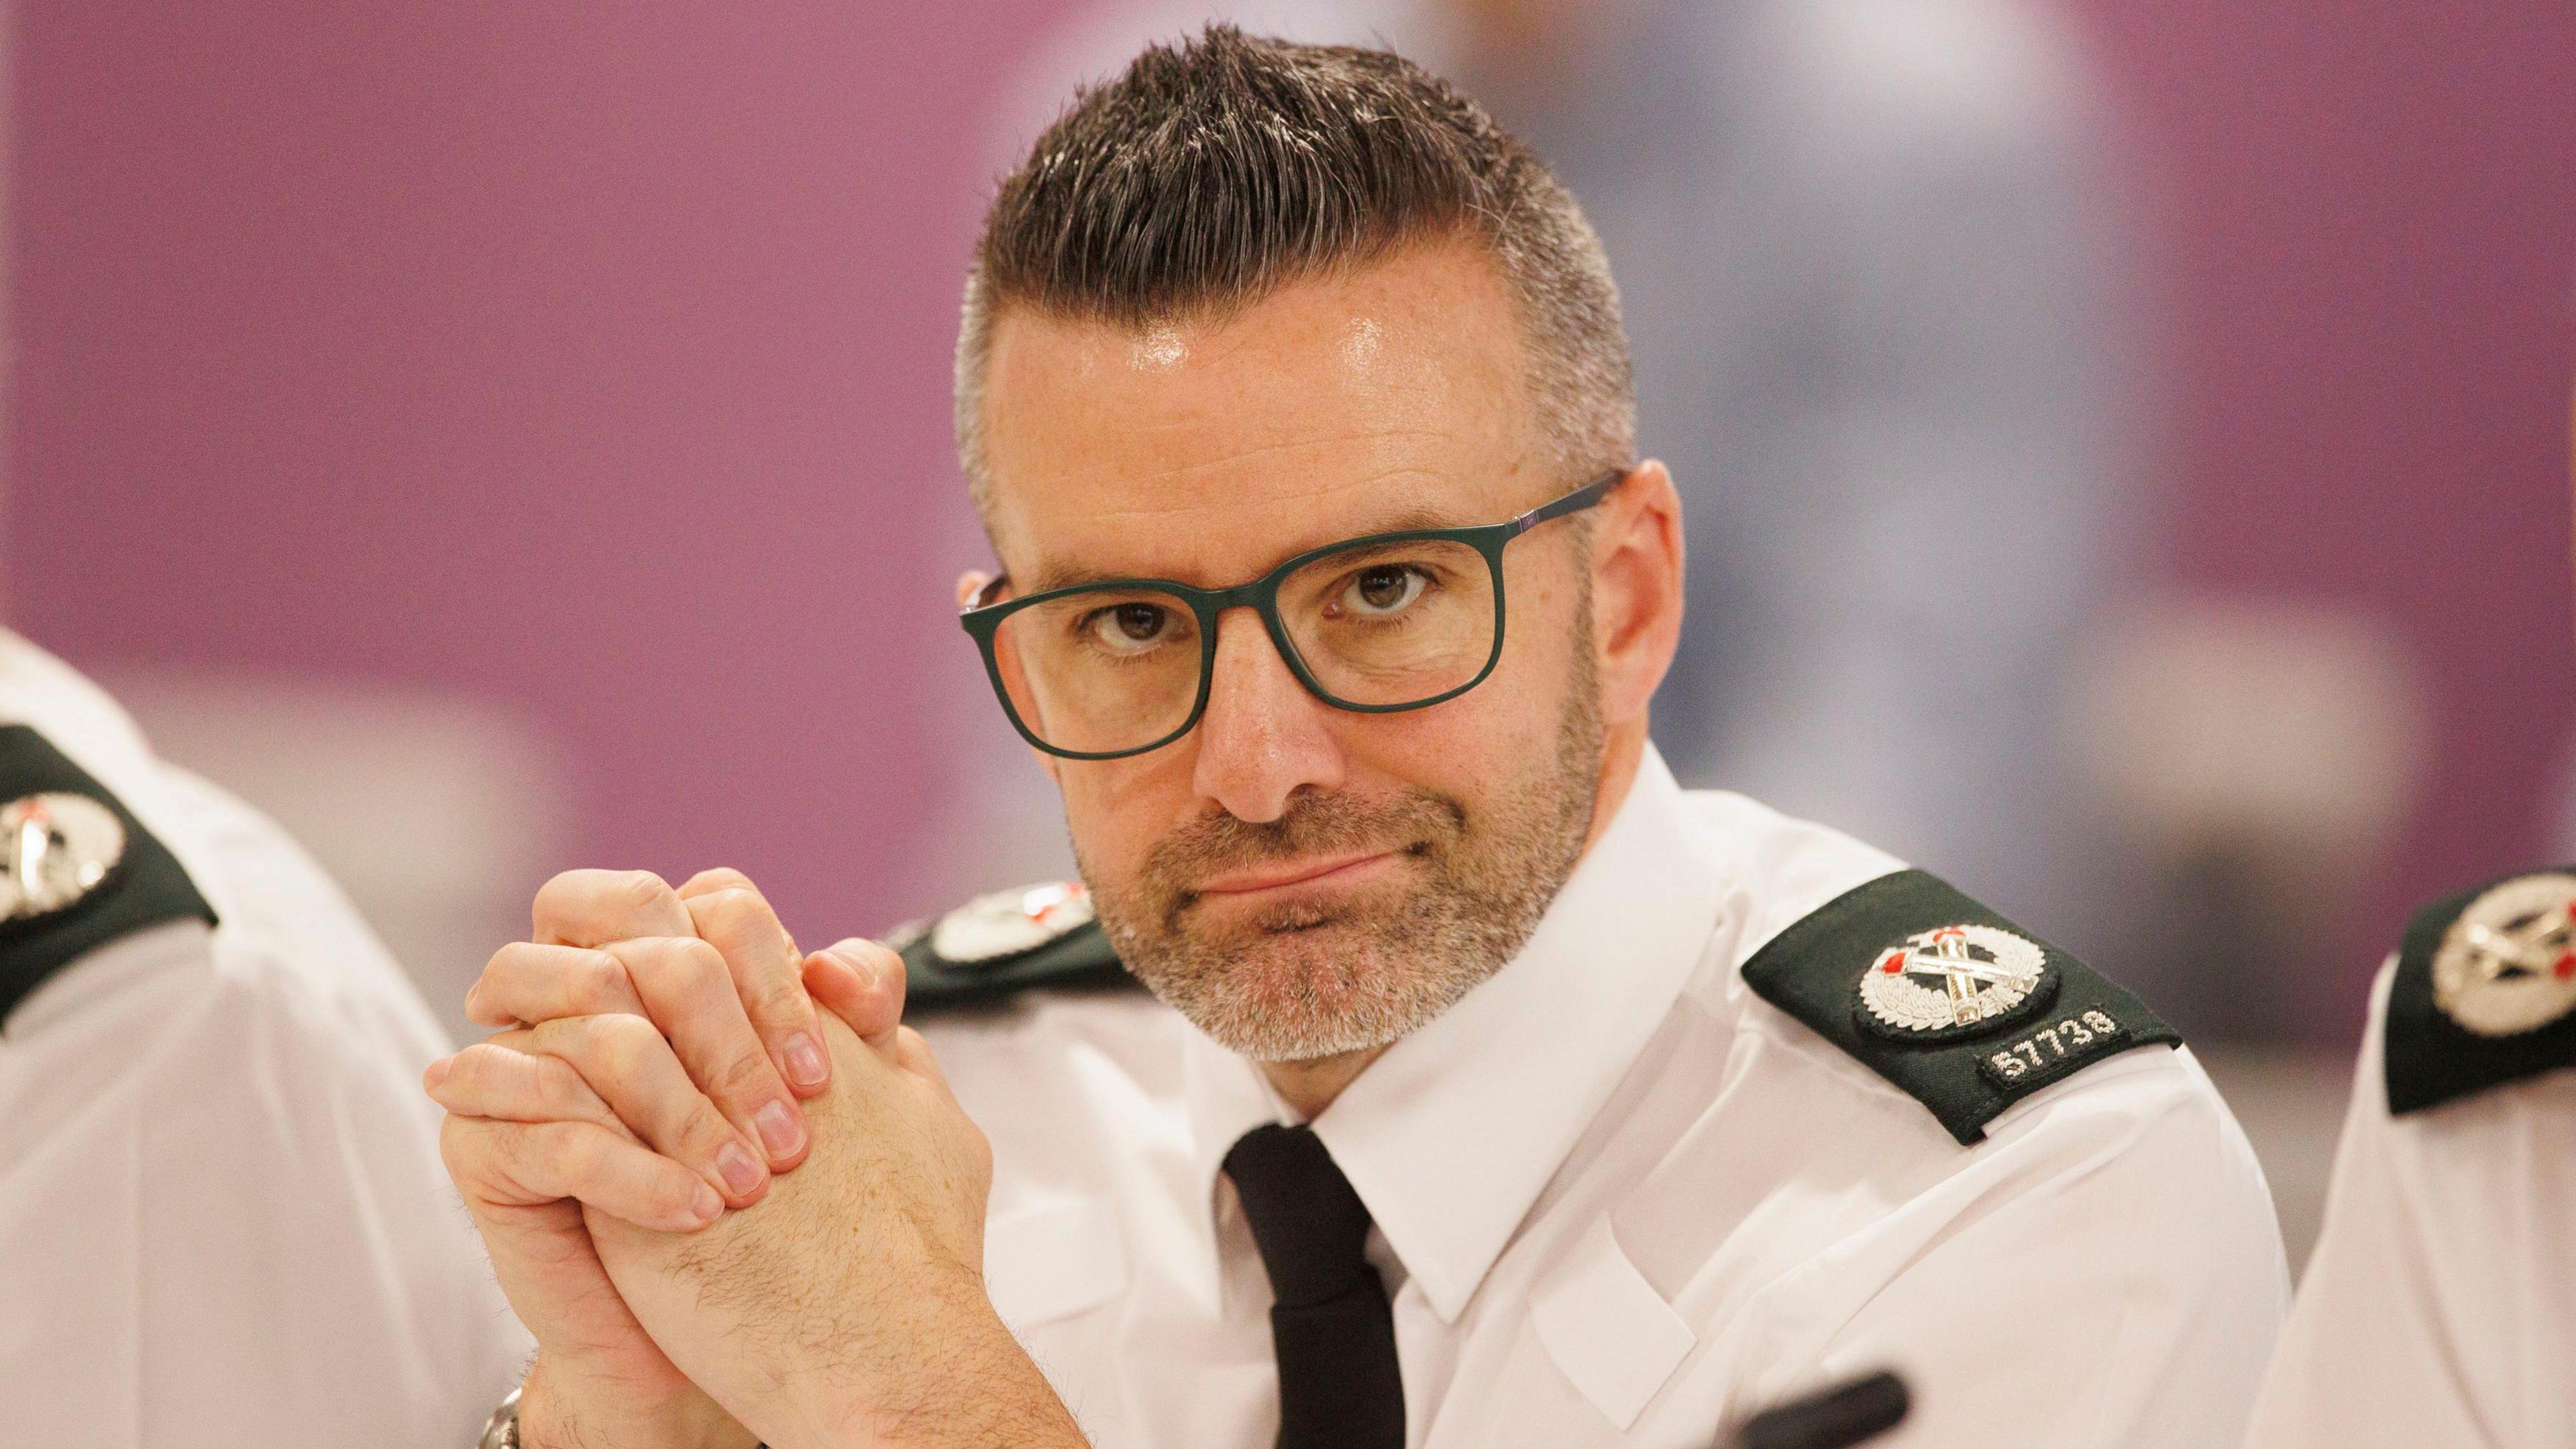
{"x": 55, "y": 848}
{"x": 1955, "y": 980}
{"x": 2507, "y": 965}
{"x": 1010, "y": 923}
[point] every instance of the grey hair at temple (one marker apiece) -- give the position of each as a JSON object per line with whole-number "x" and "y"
{"x": 1218, "y": 169}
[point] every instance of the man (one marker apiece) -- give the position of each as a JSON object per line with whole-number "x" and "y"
{"x": 221, "y": 1215}
{"x": 1500, "y": 1092}
{"x": 2440, "y": 1305}
{"x": 1874, "y": 294}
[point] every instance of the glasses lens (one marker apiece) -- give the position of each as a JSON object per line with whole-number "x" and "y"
{"x": 1392, "y": 623}
{"x": 1101, "y": 671}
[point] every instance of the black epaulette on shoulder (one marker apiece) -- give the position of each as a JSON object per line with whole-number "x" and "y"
{"x": 77, "y": 870}
{"x": 2485, "y": 991}
{"x": 1962, "y": 1009}
{"x": 996, "y": 946}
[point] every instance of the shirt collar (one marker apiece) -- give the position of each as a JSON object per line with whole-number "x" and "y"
{"x": 1451, "y": 1136}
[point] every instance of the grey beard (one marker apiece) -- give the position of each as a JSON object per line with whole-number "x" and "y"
{"x": 1302, "y": 984}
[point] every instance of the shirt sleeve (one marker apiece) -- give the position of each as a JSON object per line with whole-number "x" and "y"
{"x": 2107, "y": 1272}
{"x": 2440, "y": 1305}
{"x": 222, "y": 1214}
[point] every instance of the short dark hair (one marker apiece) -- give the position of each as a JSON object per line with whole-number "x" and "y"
{"x": 1218, "y": 169}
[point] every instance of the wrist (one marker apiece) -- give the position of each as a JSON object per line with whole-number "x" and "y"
{"x": 550, "y": 1417}
{"x": 980, "y": 1389}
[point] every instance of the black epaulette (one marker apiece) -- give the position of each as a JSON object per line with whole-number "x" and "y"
{"x": 996, "y": 946}
{"x": 2485, "y": 991}
{"x": 77, "y": 870}
{"x": 1962, "y": 1009}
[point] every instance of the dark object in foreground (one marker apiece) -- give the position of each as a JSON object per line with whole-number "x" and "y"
{"x": 1852, "y": 1413}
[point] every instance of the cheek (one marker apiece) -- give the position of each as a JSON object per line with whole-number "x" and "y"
{"x": 1492, "y": 733}
{"x": 1118, "y": 810}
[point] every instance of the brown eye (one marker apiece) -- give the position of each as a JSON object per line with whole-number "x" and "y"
{"x": 1383, "y": 589}
{"x": 1127, "y": 628}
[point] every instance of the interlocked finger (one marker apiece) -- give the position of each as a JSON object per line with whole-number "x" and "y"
{"x": 688, "y": 990}
{"x": 628, "y": 1063}
{"x": 768, "y": 975}
{"x": 521, "y": 1164}
{"x": 490, "y": 1080}
{"x": 595, "y": 907}
{"x": 527, "y": 983}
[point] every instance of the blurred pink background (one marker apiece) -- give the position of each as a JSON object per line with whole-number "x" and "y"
{"x": 593, "y": 360}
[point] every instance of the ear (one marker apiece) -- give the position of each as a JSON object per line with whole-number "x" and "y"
{"x": 1637, "y": 590}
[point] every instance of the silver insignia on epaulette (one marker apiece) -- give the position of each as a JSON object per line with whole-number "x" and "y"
{"x": 1952, "y": 977}
{"x": 2508, "y": 964}
{"x": 55, "y": 848}
{"x": 1008, "y": 923}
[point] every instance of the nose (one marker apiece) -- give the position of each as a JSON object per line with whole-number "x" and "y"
{"x": 1263, "y": 737}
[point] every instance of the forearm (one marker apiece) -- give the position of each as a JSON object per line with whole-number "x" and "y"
{"x": 980, "y": 1390}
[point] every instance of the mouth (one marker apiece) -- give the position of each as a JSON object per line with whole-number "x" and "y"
{"x": 1314, "y": 873}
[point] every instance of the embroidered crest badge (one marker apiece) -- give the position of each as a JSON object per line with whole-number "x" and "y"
{"x": 1010, "y": 923}
{"x": 1955, "y": 981}
{"x": 2508, "y": 964}
{"x": 55, "y": 848}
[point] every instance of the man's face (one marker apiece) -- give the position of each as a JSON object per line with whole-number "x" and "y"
{"x": 1303, "y": 881}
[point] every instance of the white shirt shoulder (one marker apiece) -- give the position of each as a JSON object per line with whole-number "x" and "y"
{"x": 222, "y": 1212}
{"x": 2440, "y": 1304}
{"x": 1732, "y": 1210}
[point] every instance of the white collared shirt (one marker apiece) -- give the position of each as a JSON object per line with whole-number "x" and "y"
{"x": 223, "y": 1220}
{"x": 1622, "y": 1200}
{"x": 2440, "y": 1305}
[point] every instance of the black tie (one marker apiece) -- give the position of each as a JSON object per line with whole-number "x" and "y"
{"x": 1331, "y": 1327}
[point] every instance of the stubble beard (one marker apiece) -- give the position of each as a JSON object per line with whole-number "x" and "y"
{"x": 1302, "y": 982}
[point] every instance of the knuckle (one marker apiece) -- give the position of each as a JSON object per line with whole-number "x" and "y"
{"x": 578, "y": 1154}
{"x": 599, "y": 981}
{"x": 742, "y": 1077}
{"x": 732, "y": 909}
{"x": 699, "y": 961}
{"x": 707, "y": 1130}
{"x": 722, "y": 877}
{"x": 642, "y": 890}
{"x": 561, "y": 1090}
{"x": 779, "y": 1001}
{"x": 626, "y": 1044}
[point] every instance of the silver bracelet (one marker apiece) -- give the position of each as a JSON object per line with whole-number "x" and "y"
{"x": 502, "y": 1430}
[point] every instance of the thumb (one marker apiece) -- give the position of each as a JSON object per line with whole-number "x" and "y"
{"x": 860, "y": 982}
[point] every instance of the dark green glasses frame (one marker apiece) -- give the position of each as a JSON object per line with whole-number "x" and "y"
{"x": 983, "y": 620}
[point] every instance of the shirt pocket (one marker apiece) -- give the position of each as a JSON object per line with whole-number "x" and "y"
{"x": 1052, "y": 1260}
{"x": 1607, "y": 1329}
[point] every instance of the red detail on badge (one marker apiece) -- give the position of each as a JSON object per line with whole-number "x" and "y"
{"x": 1892, "y": 963}
{"x": 2566, "y": 966}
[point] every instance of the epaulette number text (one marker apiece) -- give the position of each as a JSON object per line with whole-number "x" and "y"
{"x": 2052, "y": 1050}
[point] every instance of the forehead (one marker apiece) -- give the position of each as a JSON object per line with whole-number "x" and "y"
{"x": 1205, "y": 450}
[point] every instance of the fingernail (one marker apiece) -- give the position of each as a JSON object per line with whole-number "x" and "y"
{"x": 707, "y": 1205}
{"x": 779, "y": 1130}
{"x": 436, "y": 1074}
{"x": 804, "y": 1061}
{"x": 738, "y": 1170}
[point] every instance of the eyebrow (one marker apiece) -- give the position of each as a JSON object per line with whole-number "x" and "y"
{"x": 1054, "y": 573}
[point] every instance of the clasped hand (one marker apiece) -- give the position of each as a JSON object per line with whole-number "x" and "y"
{"x": 724, "y": 1214}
